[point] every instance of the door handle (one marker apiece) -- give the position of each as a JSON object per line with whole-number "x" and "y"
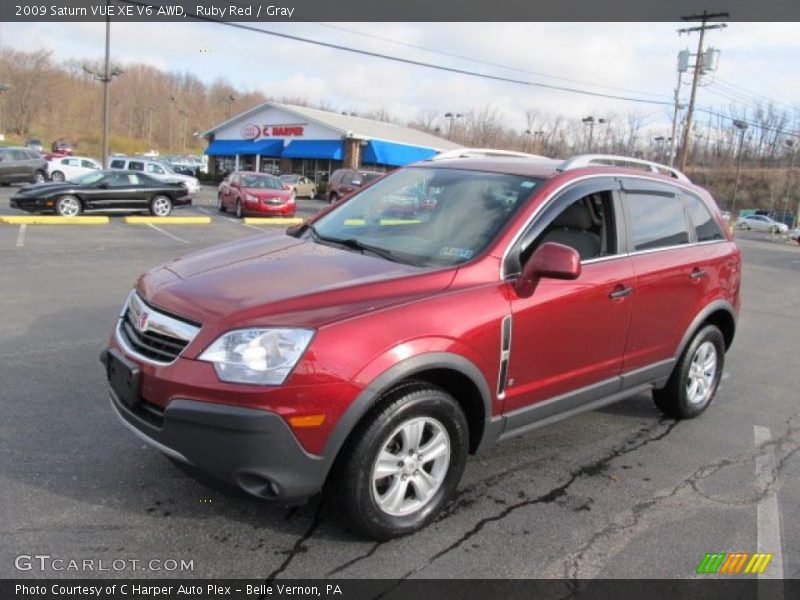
{"x": 697, "y": 273}
{"x": 621, "y": 291}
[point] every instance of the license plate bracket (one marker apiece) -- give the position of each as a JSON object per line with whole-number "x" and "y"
{"x": 125, "y": 379}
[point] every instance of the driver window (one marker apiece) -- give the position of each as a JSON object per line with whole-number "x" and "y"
{"x": 587, "y": 225}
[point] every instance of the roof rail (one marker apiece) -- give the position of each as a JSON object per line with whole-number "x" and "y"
{"x": 588, "y": 160}
{"x": 483, "y": 152}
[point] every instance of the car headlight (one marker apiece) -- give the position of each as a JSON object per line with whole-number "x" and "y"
{"x": 250, "y": 198}
{"x": 259, "y": 356}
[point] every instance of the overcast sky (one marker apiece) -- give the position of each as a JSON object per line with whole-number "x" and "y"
{"x": 758, "y": 59}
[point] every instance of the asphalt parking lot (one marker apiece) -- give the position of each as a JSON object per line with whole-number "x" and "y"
{"x": 620, "y": 492}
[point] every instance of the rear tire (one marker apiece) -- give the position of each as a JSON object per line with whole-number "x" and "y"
{"x": 39, "y": 177}
{"x": 693, "y": 383}
{"x": 160, "y": 206}
{"x": 57, "y": 176}
{"x": 333, "y": 198}
{"x": 401, "y": 493}
{"x": 239, "y": 210}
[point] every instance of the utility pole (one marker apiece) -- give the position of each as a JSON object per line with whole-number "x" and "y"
{"x": 705, "y": 17}
{"x": 683, "y": 60}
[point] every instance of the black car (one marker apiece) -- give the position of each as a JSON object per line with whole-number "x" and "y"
{"x": 21, "y": 165}
{"x": 103, "y": 190}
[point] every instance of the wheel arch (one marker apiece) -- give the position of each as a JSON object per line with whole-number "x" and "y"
{"x": 719, "y": 313}
{"x": 453, "y": 373}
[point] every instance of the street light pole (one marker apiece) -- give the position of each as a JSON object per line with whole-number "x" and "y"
{"x": 106, "y": 81}
{"x": 791, "y": 145}
{"x": 450, "y": 118}
{"x": 741, "y": 126}
{"x": 590, "y": 120}
{"x": 4, "y": 87}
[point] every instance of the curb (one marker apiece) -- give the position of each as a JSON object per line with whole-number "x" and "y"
{"x": 273, "y": 220}
{"x": 51, "y": 220}
{"x": 133, "y": 220}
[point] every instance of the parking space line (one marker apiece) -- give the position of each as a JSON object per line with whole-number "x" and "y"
{"x": 201, "y": 209}
{"x": 768, "y": 518}
{"x": 21, "y": 235}
{"x": 168, "y": 234}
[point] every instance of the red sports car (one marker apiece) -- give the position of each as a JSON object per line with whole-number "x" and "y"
{"x": 250, "y": 193}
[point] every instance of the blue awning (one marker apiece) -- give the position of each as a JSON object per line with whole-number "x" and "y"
{"x": 331, "y": 149}
{"x": 268, "y": 147}
{"x": 397, "y": 155}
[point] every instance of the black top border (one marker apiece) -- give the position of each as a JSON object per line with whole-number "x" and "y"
{"x": 255, "y": 11}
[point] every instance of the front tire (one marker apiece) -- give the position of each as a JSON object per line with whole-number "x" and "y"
{"x": 68, "y": 206}
{"x": 333, "y": 199}
{"x": 239, "y": 210}
{"x": 220, "y": 204}
{"x": 693, "y": 383}
{"x": 57, "y": 176}
{"x": 403, "y": 462}
{"x": 160, "y": 206}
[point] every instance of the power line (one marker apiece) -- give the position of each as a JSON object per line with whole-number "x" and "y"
{"x": 416, "y": 63}
{"x": 485, "y": 62}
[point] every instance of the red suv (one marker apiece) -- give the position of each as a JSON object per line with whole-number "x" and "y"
{"x": 373, "y": 354}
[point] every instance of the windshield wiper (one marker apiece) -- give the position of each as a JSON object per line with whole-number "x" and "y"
{"x": 353, "y": 244}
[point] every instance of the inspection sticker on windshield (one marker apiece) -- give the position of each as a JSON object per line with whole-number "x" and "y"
{"x": 457, "y": 252}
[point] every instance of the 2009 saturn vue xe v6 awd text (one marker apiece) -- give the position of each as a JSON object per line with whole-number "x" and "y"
{"x": 372, "y": 354}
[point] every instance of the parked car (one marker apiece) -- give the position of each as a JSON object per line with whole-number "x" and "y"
{"x": 103, "y": 190}
{"x": 302, "y": 186}
{"x": 21, "y": 165}
{"x": 346, "y": 181}
{"x": 250, "y": 193}
{"x": 35, "y": 144}
{"x": 61, "y": 146}
{"x": 761, "y": 223}
{"x": 370, "y": 356}
{"x": 155, "y": 169}
{"x": 795, "y": 234}
{"x": 69, "y": 167}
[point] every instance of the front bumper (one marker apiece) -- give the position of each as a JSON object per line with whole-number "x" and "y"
{"x": 252, "y": 449}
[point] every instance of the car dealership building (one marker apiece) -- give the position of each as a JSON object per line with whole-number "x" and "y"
{"x": 284, "y": 138}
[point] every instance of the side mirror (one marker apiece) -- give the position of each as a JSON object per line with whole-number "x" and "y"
{"x": 356, "y": 182}
{"x": 552, "y": 260}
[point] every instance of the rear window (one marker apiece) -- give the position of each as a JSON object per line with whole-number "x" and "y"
{"x": 657, "y": 220}
{"x": 705, "y": 226}
{"x": 117, "y": 164}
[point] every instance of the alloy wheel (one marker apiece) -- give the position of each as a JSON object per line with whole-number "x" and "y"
{"x": 411, "y": 466}
{"x": 161, "y": 206}
{"x": 702, "y": 372}
{"x": 68, "y": 206}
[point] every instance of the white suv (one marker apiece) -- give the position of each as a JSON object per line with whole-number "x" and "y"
{"x": 156, "y": 169}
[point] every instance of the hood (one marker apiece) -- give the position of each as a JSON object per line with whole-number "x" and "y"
{"x": 266, "y": 280}
{"x": 267, "y": 193}
{"x": 46, "y": 188}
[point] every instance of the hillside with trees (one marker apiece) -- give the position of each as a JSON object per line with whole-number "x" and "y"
{"x": 155, "y": 109}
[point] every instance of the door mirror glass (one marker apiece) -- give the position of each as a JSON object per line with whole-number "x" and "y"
{"x": 552, "y": 260}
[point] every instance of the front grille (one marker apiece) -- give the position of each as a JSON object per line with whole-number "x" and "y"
{"x": 150, "y": 344}
{"x": 152, "y": 334}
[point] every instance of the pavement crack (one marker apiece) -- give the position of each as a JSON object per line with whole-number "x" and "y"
{"x": 639, "y": 440}
{"x": 575, "y": 562}
{"x": 299, "y": 546}
{"x": 357, "y": 559}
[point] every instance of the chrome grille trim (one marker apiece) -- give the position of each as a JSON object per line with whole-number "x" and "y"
{"x": 163, "y": 337}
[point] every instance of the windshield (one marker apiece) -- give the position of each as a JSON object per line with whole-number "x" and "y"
{"x": 290, "y": 178}
{"x": 261, "y": 181}
{"x": 167, "y": 167}
{"x": 425, "y": 216}
{"x": 88, "y": 178}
